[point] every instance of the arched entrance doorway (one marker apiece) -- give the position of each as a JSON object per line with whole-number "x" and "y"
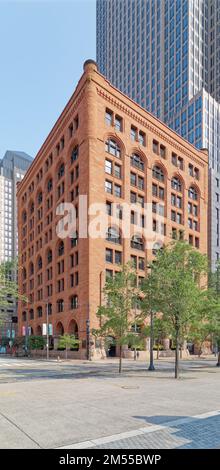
{"x": 110, "y": 346}
{"x": 73, "y": 330}
{"x": 59, "y": 329}
{"x": 39, "y": 331}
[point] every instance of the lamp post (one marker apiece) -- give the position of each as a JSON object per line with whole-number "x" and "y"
{"x": 88, "y": 340}
{"x": 47, "y": 332}
{"x": 151, "y": 366}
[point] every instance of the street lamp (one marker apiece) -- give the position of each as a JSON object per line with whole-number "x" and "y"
{"x": 151, "y": 366}
{"x": 47, "y": 335}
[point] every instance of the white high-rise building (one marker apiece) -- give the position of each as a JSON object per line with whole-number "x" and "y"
{"x": 13, "y": 167}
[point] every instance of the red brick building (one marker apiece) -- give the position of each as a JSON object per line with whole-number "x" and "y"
{"x": 108, "y": 148}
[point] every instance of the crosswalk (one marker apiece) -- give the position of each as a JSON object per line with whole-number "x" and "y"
{"x": 15, "y": 363}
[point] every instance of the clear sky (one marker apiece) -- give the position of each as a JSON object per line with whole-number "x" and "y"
{"x": 43, "y": 45}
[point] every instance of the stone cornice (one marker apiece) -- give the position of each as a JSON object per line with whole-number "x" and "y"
{"x": 149, "y": 126}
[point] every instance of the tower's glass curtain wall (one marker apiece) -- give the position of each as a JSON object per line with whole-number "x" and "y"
{"x": 166, "y": 56}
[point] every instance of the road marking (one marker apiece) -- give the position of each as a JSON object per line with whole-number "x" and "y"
{"x": 138, "y": 432}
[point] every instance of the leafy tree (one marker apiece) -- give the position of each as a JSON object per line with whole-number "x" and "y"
{"x": 116, "y": 316}
{"x": 36, "y": 342}
{"x": 68, "y": 341}
{"x": 161, "y": 331}
{"x": 174, "y": 284}
{"x": 214, "y": 296}
{"x": 8, "y": 283}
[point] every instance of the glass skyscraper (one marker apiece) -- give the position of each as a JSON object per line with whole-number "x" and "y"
{"x": 165, "y": 54}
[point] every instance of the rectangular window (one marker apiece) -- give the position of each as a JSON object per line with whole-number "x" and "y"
{"x": 109, "y": 208}
{"x": 190, "y": 169}
{"x": 118, "y": 123}
{"x": 161, "y": 193}
{"x": 133, "y": 179}
{"x": 133, "y": 218}
{"x": 108, "y": 255}
{"x": 118, "y": 257}
{"x": 108, "y": 167}
{"x": 133, "y": 198}
{"x": 142, "y": 138}
{"x": 140, "y": 183}
{"x": 155, "y": 147}
{"x": 133, "y": 133}
{"x": 108, "y": 187}
{"x": 108, "y": 117}
{"x": 117, "y": 171}
{"x": 117, "y": 190}
{"x": 141, "y": 264}
{"x": 154, "y": 189}
{"x": 162, "y": 151}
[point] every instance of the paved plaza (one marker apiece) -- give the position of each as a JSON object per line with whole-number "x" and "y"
{"x": 80, "y": 404}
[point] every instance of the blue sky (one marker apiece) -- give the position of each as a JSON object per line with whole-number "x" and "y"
{"x": 43, "y": 45}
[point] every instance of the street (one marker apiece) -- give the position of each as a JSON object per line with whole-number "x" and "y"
{"x": 73, "y": 404}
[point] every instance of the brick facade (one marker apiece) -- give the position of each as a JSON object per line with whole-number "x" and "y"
{"x": 76, "y": 159}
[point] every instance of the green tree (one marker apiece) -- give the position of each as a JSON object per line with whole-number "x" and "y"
{"x": 214, "y": 299}
{"x": 36, "y": 342}
{"x": 161, "y": 331}
{"x": 8, "y": 283}
{"x": 173, "y": 289}
{"x": 116, "y": 316}
{"x": 68, "y": 341}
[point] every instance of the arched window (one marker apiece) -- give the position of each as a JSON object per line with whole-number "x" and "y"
{"x": 61, "y": 171}
{"x": 40, "y": 197}
{"x": 49, "y": 185}
{"x": 24, "y": 274}
{"x": 137, "y": 162}
{"x": 176, "y": 184}
{"x": 39, "y": 312}
{"x": 158, "y": 173}
{"x": 137, "y": 242}
{"x": 75, "y": 154}
{"x": 61, "y": 249}
{"x": 31, "y": 268}
{"x": 49, "y": 256}
{"x": 74, "y": 302}
{"x": 49, "y": 307}
{"x": 60, "y": 305}
{"x": 192, "y": 193}
{"x": 31, "y": 314}
{"x": 39, "y": 263}
{"x": 113, "y": 235}
{"x": 24, "y": 316}
{"x": 31, "y": 208}
{"x": 24, "y": 217}
{"x": 113, "y": 148}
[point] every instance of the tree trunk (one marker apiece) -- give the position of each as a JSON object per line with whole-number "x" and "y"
{"x": 181, "y": 353}
{"x": 120, "y": 359}
{"x": 66, "y": 352}
{"x": 177, "y": 357}
{"x": 158, "y": 351}
{"x": 218, "y": 362}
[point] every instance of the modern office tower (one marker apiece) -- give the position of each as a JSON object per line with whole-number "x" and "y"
{"x": 12, "y": 169}
{"x": 166, "y": 56}
{"x": 104, "y": 149}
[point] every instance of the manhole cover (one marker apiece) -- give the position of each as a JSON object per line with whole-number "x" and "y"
{"x": 128, "y": 387}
